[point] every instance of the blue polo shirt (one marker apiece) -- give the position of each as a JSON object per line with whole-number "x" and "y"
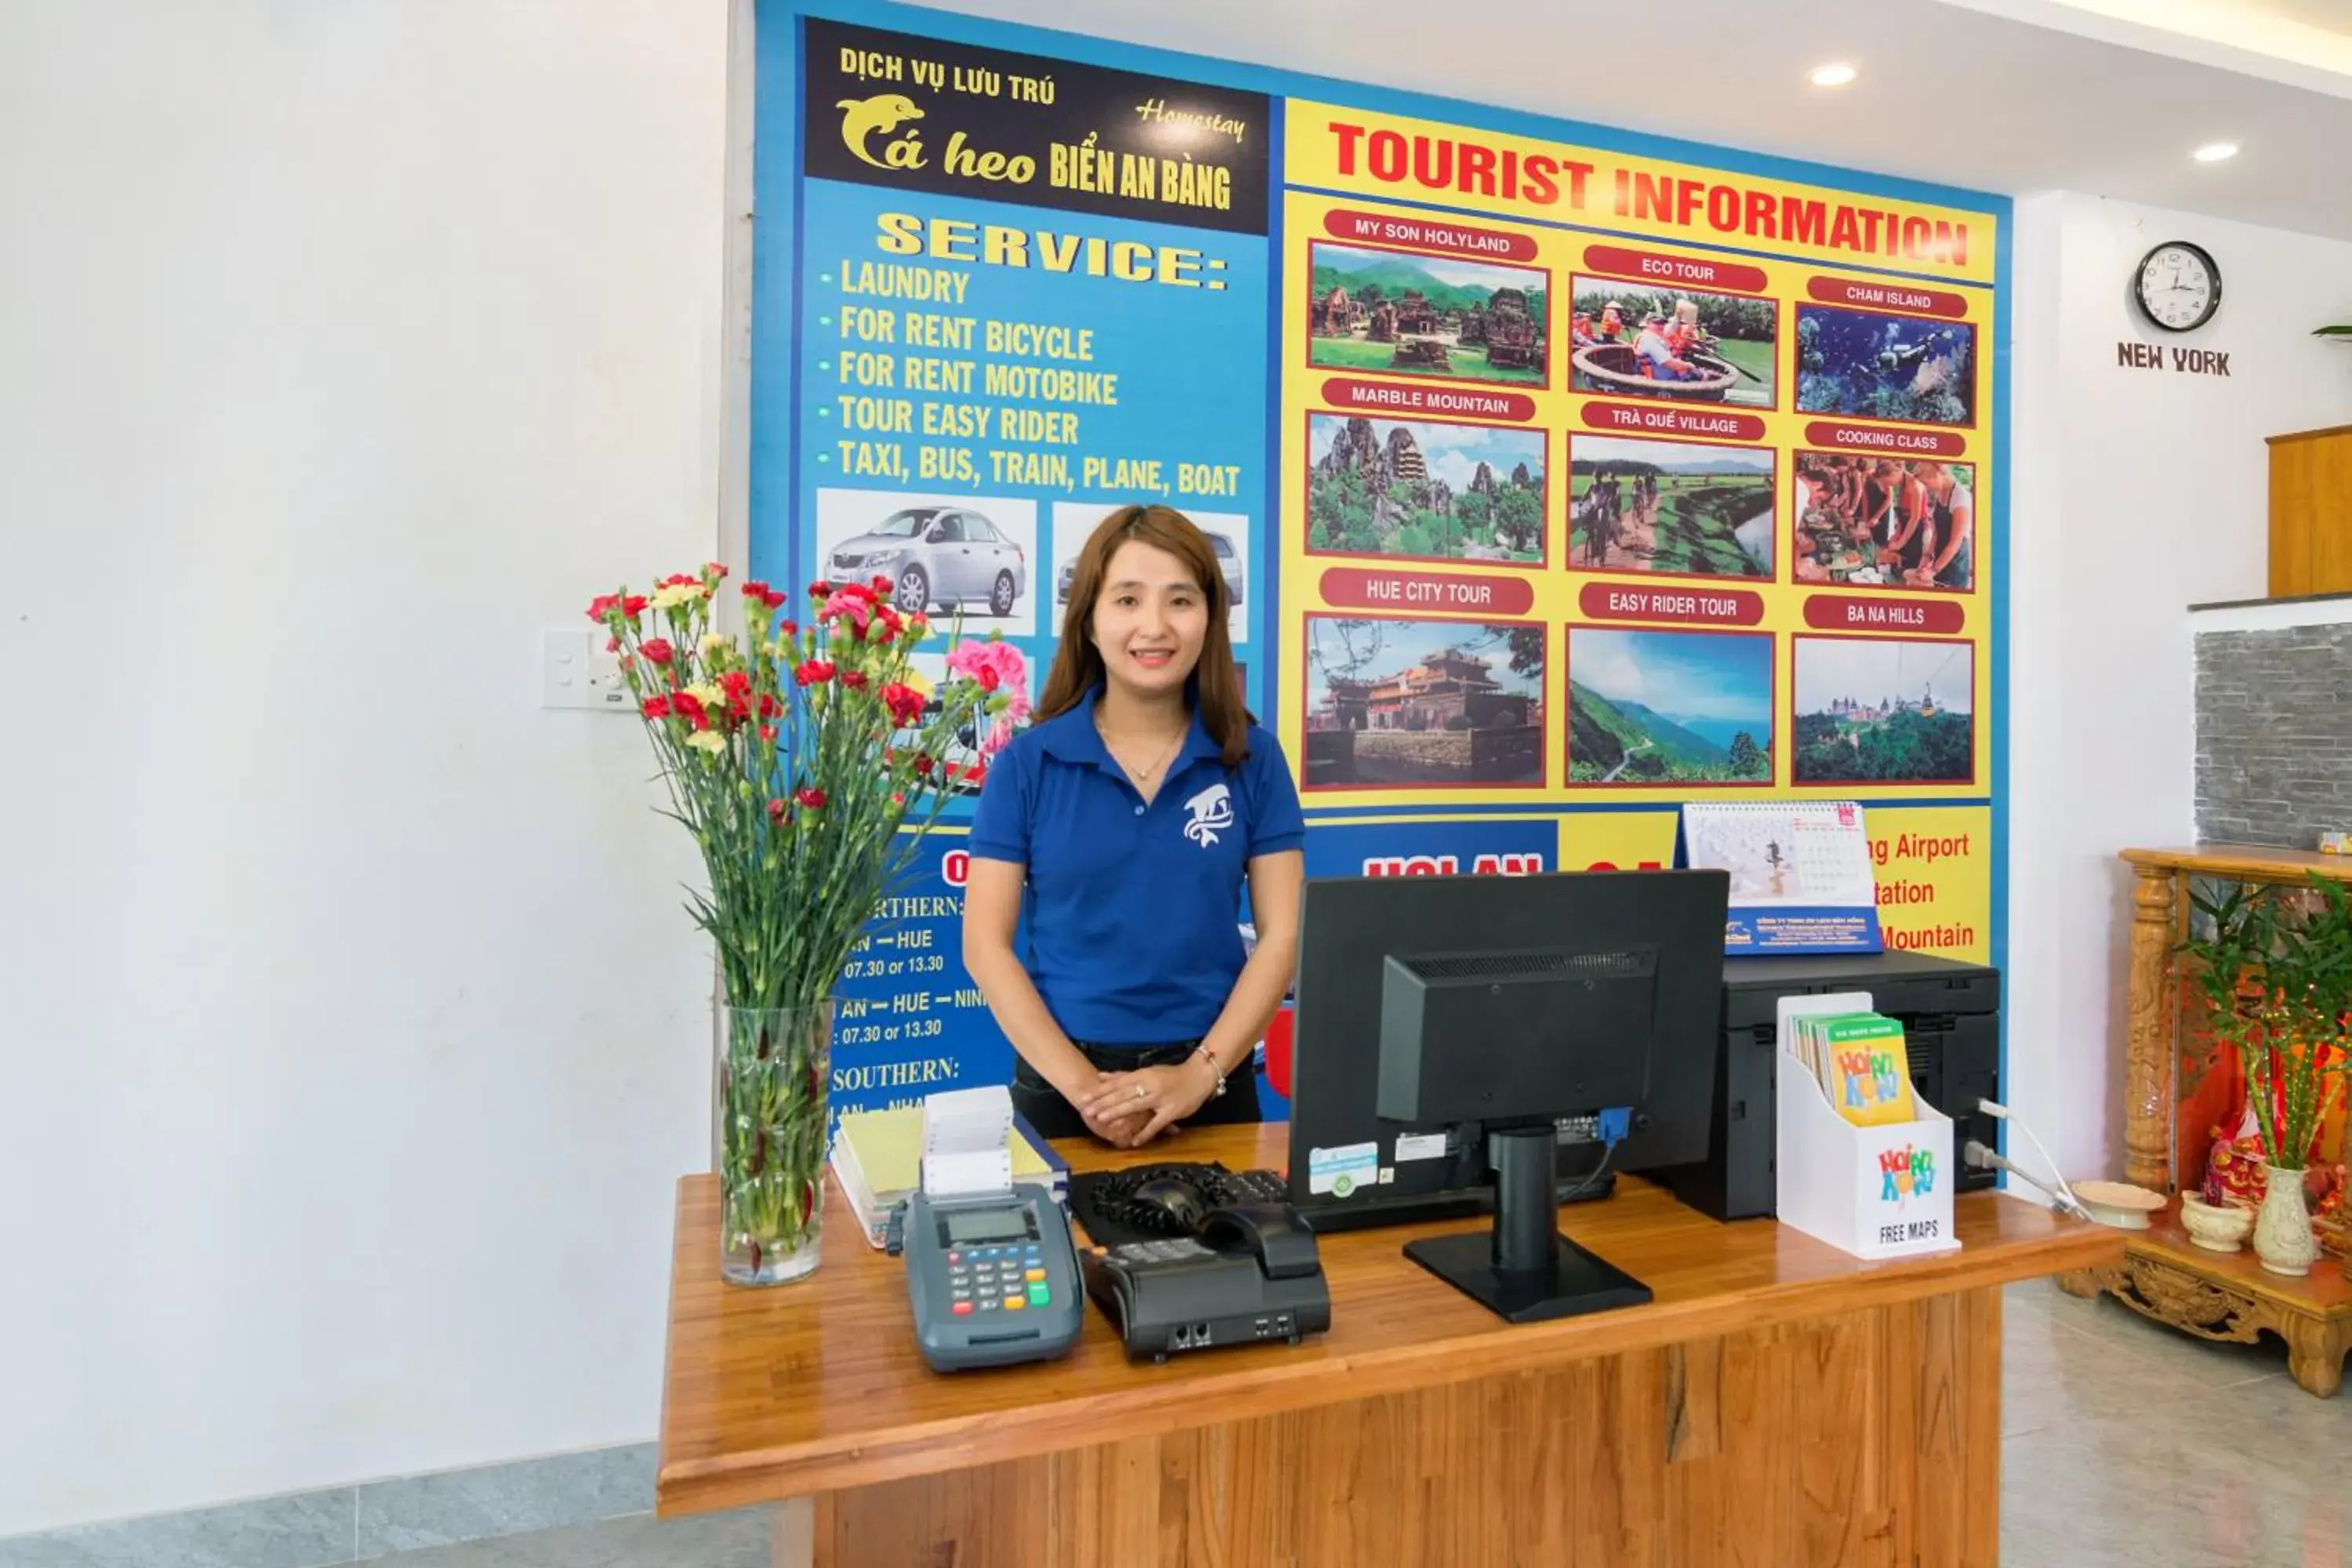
{"x": 1131, "y": 910}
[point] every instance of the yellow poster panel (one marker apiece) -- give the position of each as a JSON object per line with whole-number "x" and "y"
{"x": 1934, "y": 878}
{"x": 1934, "y": 866}
{"x": 1592, "y": 523}
{"x": 1387, "y": 155}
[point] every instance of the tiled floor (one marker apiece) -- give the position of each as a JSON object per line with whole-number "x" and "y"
{"x": 2124, "y": 1444}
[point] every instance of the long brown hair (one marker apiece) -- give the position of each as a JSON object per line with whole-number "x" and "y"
{"x": 1215, "y": 684}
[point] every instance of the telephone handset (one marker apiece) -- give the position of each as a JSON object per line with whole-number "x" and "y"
{"x": 1271, "y": 1233}
{"x": 1249, "y": 1274}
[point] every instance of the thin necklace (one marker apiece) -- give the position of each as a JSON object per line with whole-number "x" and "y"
{"x": 1145, "y": 776}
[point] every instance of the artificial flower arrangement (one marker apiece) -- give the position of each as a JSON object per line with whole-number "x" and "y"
{"x": 807, "y": 761}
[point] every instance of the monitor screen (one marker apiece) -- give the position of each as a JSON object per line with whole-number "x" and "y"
{"x": 1615, "y": 1003}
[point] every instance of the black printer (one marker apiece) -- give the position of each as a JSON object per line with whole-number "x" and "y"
{"x": 1950, "y": 1013}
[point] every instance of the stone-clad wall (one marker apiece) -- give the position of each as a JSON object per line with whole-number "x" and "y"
{"x": 2273, "y": 734}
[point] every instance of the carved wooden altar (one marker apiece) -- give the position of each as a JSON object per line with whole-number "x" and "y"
{"x": 2215, "y": 1296}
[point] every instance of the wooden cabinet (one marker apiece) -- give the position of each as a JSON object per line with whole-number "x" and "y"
{"x": 2311, "y": 512}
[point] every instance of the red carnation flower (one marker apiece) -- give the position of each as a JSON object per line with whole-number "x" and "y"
{"x": 603, "y": 605}
{"x": 769, "y": 706}
{"x": 853, "y": 678}
{"x": 658, "y": 650}
{"x": 657, "y": 707}
{"x": 687, "y": 705}
{"x": 736, "y": 683}
{"x": 774, "y": 599}
{"x": 813, "y": 672}
{"x": 754, "y": 589}
{"x": 988, "y": 677}
{"x": 820, "y": 590}
{"x": 786, "y": 629}
{"x": 776, "y": 809}
{"x": 904, "y": 703}
{"x": 924, "y": 764}
{"x": 898, "y": 799}
{"x": 810, "y": 799}
{"x": 880, "y": 584}
{"x": 634, "y": 605}
{"x": 714, "y": 569}
{"x": 612, "y": 645}
{"x": 768, "y": 733}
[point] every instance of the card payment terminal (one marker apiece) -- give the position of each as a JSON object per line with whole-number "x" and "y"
{"x": 992, "y": 1278}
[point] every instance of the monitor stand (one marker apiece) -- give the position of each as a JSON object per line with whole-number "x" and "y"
{"x": 1525, "y": 1270}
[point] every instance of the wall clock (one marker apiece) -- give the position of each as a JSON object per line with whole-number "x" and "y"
{"x": 2177, "y": 286}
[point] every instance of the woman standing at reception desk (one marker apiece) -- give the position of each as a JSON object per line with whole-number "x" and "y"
{"x": 1120, "y": 830}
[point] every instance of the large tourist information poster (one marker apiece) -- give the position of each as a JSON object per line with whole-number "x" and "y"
{"x": 1560, "y": 476}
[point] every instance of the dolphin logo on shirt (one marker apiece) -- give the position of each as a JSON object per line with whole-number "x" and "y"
{"x": 1210, "y": 810}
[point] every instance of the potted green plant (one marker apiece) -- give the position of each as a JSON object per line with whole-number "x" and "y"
{"x": 2277, "y": 980}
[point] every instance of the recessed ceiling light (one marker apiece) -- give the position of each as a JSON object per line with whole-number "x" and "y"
{"x": 2215, "y": 151}
{"x": 1832, "y": 75}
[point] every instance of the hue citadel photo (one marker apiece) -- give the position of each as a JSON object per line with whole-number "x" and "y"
{"x": 1396, "y": 703}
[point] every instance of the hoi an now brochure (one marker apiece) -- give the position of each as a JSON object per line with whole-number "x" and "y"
{"x": 1801, "y": 877}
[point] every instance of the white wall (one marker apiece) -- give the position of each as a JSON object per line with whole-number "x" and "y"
{"x": 350, "y": 1036}
{"x": 2134, "y": 494}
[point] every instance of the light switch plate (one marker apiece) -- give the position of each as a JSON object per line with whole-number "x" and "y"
{"x": 575, "y": 671}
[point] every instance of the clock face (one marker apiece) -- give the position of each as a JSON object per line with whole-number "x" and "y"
{"x": 2178, "y": 285}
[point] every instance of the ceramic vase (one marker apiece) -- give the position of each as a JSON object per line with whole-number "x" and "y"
{"x": 2282, "y": 1240}
{"x": 768, "y": 1140}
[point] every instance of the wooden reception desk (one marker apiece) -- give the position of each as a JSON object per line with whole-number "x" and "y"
{"x": 1780, "y": 1402}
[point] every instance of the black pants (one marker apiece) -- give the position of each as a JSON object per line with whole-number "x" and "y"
{"x": 1044, "y": 1109}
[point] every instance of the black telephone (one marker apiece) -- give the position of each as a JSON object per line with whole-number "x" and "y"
{"x": 1248, "y": 1274}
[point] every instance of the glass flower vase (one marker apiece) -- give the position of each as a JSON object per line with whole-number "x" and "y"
{"x": 769, "y": 1138}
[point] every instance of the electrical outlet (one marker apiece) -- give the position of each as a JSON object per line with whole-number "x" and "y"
{"x": 575, "y": 671}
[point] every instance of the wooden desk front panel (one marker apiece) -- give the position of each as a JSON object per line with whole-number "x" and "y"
{"x": 1867, "y": 1437}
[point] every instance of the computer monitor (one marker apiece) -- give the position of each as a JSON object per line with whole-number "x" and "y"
{"x": 1467, "y": 1043}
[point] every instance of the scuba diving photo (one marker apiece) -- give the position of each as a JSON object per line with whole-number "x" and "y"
{"x": 1885, "y": 367}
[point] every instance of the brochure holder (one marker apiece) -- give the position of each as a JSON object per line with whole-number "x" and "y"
{"x": 1875, "y": 1192}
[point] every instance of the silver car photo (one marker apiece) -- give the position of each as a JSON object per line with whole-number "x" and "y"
{"x": 944, "y": 555}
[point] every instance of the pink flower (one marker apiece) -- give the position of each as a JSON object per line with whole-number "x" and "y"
{"x": 1001, "y": 660}
{"x": 999, "y": 736}
{"x": 857, "y": 608}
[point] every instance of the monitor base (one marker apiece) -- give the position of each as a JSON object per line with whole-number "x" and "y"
{"x": 1575, "y": 1283}
{"x": 1326, "y": 1217}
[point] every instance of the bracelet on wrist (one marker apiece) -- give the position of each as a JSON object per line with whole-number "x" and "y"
{"x": 1209, "y": 1057}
